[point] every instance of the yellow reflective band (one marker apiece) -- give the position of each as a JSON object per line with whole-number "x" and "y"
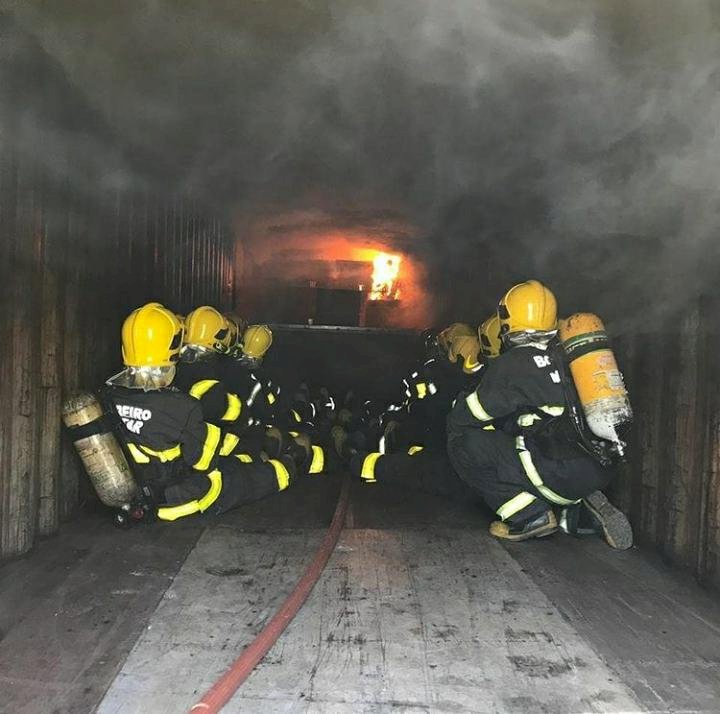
{"x": 489, "y": 427}
{"x": 174, "y": 452}
{"x": 528, "y": 419}
{"x": 415, "y": 450}
{"x": 421, "y": 390}
{"x": 476, "y": 408}
{"x": 271, "y": 398}
{"x": 296, "y": 416}
{"x": 172, "y": 513}
{"x": 245, "y": 458}
{"x": 367, "y": 472}
{"x": 534, "y": 476}
{"x": 212, "y": 441}
{"x": 318, "y": 460}
{"x": 553, "y": 411}
{"x": 138, "y": 455}
{"x": 515, "y": 505}
{"x": 234, "y": 407}
{"x": 281, "y": 474}
{"x": 201, "y": 387}
{"x": 229, "y": 443}
{"x": 471, "y": 366}
{"x": 294, "y": 433}
{"x": 212, "y": 495}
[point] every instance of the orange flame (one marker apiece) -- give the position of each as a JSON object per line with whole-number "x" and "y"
{"x": 386, "y": 268}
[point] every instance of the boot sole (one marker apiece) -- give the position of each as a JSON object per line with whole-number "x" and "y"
{"x": 539, "y": 533}
{"x": 616, "y": 527}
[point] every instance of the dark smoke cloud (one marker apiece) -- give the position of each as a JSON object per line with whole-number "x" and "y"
{"x": 573, "y": 140}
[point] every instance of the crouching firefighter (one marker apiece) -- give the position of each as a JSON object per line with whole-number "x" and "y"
{"x": 174, "y": 452}
{"x": 512, "y": 439}
{"x": 418, "y": 459}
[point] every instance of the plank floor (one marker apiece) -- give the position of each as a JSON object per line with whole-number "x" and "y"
{"x": 418, "y": 611}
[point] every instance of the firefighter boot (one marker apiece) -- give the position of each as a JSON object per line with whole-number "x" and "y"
{"x": 314, "y": 455}
{"x": 273, "y": 443}
{"x": 616, "y": 528}
{"x": 298, "y": 454}
{"x": 542, "y": 525}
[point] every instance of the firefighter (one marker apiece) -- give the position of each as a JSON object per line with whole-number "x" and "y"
{"x": 511, "y": 438}
{"x": 175, "y": 452}
{"x": 412, "y": 450}
{"x": 199, "y": 373}
{"x": 242, "y": 372}
{"x": 490, "y": 339}
{"x": 452, "y": 364}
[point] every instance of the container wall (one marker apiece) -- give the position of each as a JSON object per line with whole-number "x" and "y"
{"x": 74, "y": 264}
{"x": 670, "y": 486}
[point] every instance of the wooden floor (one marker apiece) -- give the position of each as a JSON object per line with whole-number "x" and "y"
{"x": 418, "y": 611}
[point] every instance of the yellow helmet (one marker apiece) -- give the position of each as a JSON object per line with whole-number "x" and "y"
{"x": 256, "y": 341}
{"x": 467, "y": 349}
{"x": 452, "y": 332}
{"x": 206, "y": 327}
{"x": 489, "y": 334}
{"x": 151, "y": 337}
{"x": 528, "y": 307}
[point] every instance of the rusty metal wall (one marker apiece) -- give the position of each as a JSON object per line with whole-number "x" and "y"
{"x": 73, "y": 265}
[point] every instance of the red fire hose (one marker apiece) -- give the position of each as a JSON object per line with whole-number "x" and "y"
{"x": 220, "y": 693}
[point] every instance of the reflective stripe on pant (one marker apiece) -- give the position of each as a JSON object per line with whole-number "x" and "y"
{"x": 424, "y": 471}
{"x": 535, "y": 478}
{"x": 515, "y": 505}
{"x": 318, "y": 460}
{"x": 489, "y": 463}
{"x": 237, "y": 481}
{"x": 367, "y": 471}
{"x": 200, "y": 505}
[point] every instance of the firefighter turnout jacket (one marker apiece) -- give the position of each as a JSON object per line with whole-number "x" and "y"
{"x": 202, "y": 379}
{"x": 521, "y": 395}
{"x": 177, "y": 455}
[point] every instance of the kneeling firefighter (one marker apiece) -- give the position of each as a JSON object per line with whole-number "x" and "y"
{"x": 452, "y": 364}
{"x": 513, "y": 439}
{"x": 412, "y": 450}
{"x": 174, "y": 452}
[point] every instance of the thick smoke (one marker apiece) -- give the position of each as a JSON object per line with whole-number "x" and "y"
{"x": 576, "y": 141}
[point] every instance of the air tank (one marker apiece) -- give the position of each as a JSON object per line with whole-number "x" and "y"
{"x": 99, "y": 451}
{"x": 598, "y": 381}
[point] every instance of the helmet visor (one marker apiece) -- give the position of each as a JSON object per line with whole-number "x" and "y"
{"x": 146, "y": 378}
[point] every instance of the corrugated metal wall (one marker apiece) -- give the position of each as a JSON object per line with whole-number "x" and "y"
{"x": 671, "y": 486}
{"x": 73, "y": 265}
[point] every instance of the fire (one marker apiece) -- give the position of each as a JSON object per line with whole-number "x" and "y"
{"x": 386, "y": 268}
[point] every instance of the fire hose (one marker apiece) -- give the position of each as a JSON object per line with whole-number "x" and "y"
{"x": 220, "y": 693}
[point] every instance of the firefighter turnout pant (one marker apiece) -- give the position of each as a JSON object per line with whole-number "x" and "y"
{"x": 419, "y": 470}
{"x": 237, "y": 480}
{"x": 517, "y": 485}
